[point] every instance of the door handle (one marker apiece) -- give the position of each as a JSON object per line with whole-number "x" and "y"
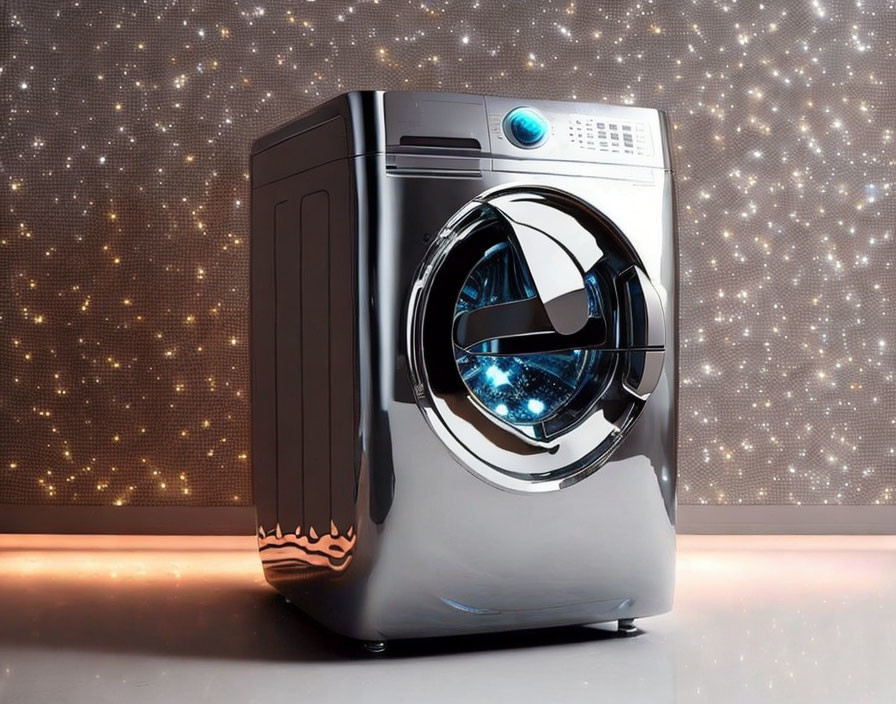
{"x": 643, "y": 318}
{"x": 522, "y": 327}
{"x": 559, "y": 281}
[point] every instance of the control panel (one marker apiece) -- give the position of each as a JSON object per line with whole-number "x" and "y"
{"x": 588, "y": 132}
{"x": 524, "y": 129}
{"x": 610, "y": 136}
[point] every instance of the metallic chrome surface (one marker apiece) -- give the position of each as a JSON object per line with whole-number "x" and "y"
{"x": 568, "y": 140}
{"x": 559, "y": 281}
{"x": 651, "y": 331}
{"x": 522, "y": 209}
{"x": 514, "y": 319}
{"x": 506, "y": 455}
{"x": 643, "y": 369}
{"x": 430, "y": 536}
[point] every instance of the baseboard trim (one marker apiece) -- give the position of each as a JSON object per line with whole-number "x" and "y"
{"x": 240, "y": 520}
{"x": 138, "y": 520}
{"x": 783, "y": 520}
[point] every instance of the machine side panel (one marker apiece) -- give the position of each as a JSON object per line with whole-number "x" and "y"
{"x": 325, "y": 143}
{"x": 360, "y": 110}
{"x": 305, "y": 382}
{"x": 670, "y": 279}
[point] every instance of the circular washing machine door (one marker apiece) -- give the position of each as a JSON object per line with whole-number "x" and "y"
{"x": 535, "y": 337}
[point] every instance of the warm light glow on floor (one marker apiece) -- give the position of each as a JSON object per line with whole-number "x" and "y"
{"x": 129, "y": 559}
{"x": 710, "y": 568}
{"x": 723, "y": 570}
{"x": 149, "y": 619}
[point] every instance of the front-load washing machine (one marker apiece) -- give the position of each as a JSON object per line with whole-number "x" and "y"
{"x": 464, "y": 400}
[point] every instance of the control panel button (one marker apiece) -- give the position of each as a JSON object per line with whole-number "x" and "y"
{"x": 526, "y": 127}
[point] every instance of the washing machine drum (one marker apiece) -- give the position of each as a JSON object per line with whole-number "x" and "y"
{"x": 535, "y": 338}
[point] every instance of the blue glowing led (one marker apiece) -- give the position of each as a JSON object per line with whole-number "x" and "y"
{"x": 526, "y": 127}
{"x": 535, "y": 406}
{"x": 521, "y": 389}
{"x": 496, "y": 376}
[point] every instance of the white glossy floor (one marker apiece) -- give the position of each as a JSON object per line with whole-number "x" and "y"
{"x": 757, "y": 619}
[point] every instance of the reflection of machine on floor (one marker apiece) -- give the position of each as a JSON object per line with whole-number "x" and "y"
{"x": 464, "y": 364}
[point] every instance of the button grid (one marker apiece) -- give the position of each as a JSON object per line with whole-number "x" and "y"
{"x": 609, "y": 136}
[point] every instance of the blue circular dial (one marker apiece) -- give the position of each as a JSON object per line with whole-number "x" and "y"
{"x": 526, "y": 127}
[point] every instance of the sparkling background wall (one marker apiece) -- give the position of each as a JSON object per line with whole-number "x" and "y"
{"x": 123, "y": 221}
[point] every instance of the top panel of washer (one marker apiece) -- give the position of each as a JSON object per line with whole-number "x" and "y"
{"x": 483, "y": 126}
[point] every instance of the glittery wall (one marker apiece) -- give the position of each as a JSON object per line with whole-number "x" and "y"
{"x": 123, "y": 257}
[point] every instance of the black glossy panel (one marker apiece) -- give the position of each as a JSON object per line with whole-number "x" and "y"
{"x": 263, "y": 357}
{"x": 300, "y": 153}
{"x": 343, "y": 367}
{"x": 315, "y": 362}
{"x": 288, "y": 244}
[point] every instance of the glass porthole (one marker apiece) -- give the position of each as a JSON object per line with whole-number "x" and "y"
{"x": 524, "y": 389}
{"x": 534, "y": 338}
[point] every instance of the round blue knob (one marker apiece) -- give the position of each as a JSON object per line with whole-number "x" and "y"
{"x": 526, "y": 127}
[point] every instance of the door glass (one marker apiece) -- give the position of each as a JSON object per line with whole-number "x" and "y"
{"x": 535, "y": 337}
{"x": 523, "y": 389}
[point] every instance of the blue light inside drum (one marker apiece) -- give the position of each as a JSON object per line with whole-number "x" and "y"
{"x": 527, "y": 127}
{"x": 521, "y": 389}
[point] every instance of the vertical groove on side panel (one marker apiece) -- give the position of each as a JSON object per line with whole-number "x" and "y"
{"x": 342, "y": 366}
{"x": 315, "y": 210}
{"x": 289, "y": 296}
{"x": 264, "y": 381}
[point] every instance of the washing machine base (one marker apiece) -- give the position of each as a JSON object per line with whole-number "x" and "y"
{"x": 625, "y": 628}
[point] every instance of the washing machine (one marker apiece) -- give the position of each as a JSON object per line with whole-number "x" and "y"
{"x": 464, "y": 373}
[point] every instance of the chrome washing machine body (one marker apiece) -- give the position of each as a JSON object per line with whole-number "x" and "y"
{"x": 464, "y": 363}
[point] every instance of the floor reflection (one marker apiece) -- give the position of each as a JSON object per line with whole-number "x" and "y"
{"x": 173, "y": 596}
{"x": 158, "y": 619}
